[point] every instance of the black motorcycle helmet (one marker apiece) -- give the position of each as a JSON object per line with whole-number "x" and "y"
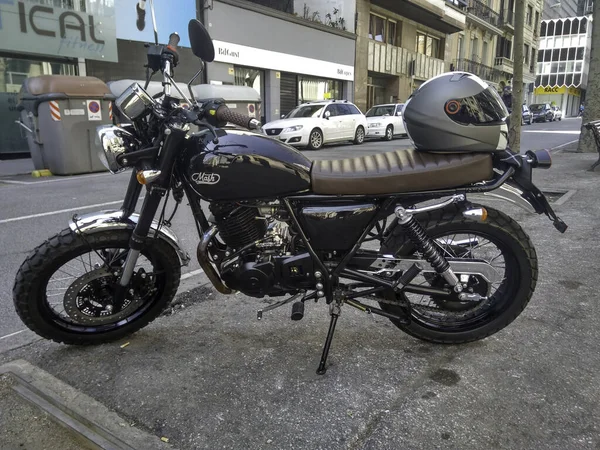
{"x": 456, "y": 112}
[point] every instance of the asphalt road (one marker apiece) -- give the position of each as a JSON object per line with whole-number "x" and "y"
{"x": 32, "y": 211}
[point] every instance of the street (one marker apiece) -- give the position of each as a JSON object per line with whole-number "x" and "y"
{"x": 35, "y": 211}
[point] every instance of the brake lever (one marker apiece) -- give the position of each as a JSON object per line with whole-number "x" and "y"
{"x": 212, "y": 130}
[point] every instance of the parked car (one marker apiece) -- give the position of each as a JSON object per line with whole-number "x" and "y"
{"x": 527, "y": 116}
{"x": 542, "y": 112}
{"x": 557, "y": 113}
{"x": 314, "y": 124}
{"x": 385, "y": 121}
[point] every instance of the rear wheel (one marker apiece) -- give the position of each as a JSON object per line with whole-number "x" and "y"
{"x": 315, "y": 139}
{"x": 64, "y": 290}
{"x": 359, "y": 136}
{"x": 503, "y": 244}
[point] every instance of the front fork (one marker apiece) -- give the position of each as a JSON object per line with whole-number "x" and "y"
{"x": 156, "y": 190}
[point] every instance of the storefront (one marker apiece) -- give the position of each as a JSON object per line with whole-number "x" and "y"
{"x": 567, "y": 99}
{"x": 101, "y": 38}
{"x": 40, "y": 39}
{"x": 287, "y": 60}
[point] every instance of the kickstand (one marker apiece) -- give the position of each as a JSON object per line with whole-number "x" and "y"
{"x": 335, "y": 313}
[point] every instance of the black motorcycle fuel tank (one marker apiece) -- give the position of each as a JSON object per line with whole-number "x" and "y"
{"x": 242, "y": 166}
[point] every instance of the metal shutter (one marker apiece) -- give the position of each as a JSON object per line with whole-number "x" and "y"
{"x": 288, "y": 93}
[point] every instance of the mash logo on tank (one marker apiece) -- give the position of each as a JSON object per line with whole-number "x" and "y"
{"x": 206, "y": 178}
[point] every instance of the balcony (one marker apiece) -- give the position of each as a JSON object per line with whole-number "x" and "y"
{"x": 445, "y": 16}
{"x": 507, "y": 19}
{"x": 384, "y": 58}
{"x": 481, "y": 70}
{"x": 503, "y": 64}
{"x": 484, "y": 16}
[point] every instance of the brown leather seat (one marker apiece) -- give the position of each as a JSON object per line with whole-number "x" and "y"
{"x": 400, "y": 171}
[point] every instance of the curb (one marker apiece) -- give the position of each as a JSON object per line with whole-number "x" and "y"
{"x": 79, "y": 413}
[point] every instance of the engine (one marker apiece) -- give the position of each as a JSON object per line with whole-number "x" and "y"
{"x": 259, "y": 259}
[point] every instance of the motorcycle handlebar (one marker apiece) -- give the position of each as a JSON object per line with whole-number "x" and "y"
{"x": 224, "y": 114}
{"x": 173, "y": 41}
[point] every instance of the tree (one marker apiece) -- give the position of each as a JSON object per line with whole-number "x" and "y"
{"x": 592, "y": 96}
{"x": 516, "y": 117}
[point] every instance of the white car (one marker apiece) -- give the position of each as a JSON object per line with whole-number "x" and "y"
{"x": 314, "y": 124}
{"x": 385, "y": 121}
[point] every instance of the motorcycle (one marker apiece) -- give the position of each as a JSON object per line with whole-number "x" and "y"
{"x": 381, "y": 233}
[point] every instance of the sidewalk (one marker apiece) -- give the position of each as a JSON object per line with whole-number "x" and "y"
{"x": 10, "y": 167}
{"x": 211, "y": 376}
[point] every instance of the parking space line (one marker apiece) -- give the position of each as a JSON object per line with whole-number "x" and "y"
{"x": 11, "y": 334}
{"x": 61, "y": 211}
{"x": 191, "y": 274}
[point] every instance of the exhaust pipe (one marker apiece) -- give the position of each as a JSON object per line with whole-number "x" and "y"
{"x": 207, "y": 266}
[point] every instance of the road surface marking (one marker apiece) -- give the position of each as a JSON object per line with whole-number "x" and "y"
{"x": 553, "y": 131}
{"x": 11, "y": 334}
{"x": 51, "y": 213}
{"x": 565, "y": 144}
{"x": 191, "y": 274}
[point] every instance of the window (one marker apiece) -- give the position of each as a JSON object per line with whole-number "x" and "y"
{"x": 354, "y": 109}
{"x": 526, "y": 53}
{"x": 344, "y": 110}
{"x": 384, "y": 30}
{"x": 428, "y": 45}
{"x": 391, "y": 32}
{"x": 332, "y": 110}
{"x": 474, "y": 49}
{"x": 529, "y": 15}
{"x": 536, "y": 23}
{"x": 543, "y": 29}
{"x": 377, "y": 28}
{"x": 460, "y": 47}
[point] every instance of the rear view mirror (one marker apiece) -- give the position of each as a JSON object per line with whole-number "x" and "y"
{"x": 399, "y": 113}
{"x": 201, "y": 42}
{"x": 327, "y": 115}
{"x": 283, "y": 116}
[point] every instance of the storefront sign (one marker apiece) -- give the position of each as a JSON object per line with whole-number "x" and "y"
{"x": 33, "y": 28}
{"x": 134, "y": 20}
{"x": 266, "y": 59}
{"x": 558, "y": 90}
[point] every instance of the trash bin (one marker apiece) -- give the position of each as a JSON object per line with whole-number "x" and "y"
{"x": 241, "y": 99}
{"x": 60, "y": 114}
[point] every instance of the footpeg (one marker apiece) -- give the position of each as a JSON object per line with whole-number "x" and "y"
{"x": 297, "y": 311}
{"x": 260, "y": 312}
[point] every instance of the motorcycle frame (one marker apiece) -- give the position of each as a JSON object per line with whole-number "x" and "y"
{"x": 385, "y": 204}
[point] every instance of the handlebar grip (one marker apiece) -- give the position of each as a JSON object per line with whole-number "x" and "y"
{"x": 224, "y": 114}
{"x": 173, "y": 40}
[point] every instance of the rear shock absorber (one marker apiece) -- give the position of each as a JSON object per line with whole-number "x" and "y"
{"x": 431, "y": 252}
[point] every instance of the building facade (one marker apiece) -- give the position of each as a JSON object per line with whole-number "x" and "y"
{"x": 290, "y": 51}
{"x": 563, "y": 63}
{"x": 401, "y": 44}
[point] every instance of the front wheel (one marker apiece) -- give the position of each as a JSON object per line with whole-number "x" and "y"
{"x": 502, "y": 243}
{"x": 359, "y": 136}
{"x": 64, "y": 291}
{"x": 315, "y": 140}
{"x": 389, "y": 133}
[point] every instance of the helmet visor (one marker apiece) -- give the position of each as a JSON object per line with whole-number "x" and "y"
{"x": 484, "y": 108}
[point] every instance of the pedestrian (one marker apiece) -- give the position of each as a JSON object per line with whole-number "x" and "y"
{"x": 507, "y": 98}
{"x": 580, "y": 110}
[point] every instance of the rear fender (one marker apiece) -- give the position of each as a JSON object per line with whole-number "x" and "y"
{"x": 113, "y": 220}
